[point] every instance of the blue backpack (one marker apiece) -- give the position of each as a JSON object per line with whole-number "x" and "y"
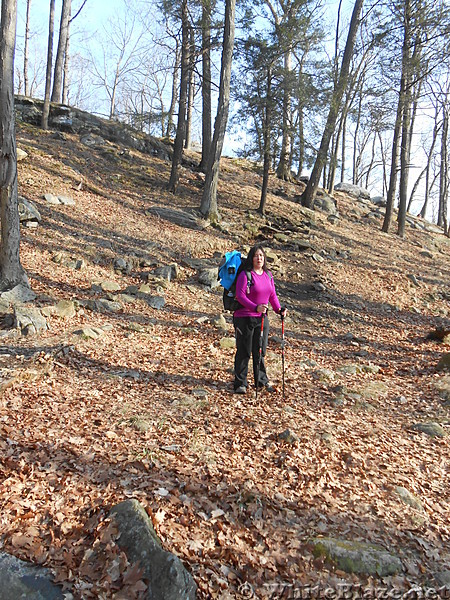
{"x": 229, "y": 268}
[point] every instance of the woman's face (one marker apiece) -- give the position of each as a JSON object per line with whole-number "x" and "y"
{"x": 258, "y": 259}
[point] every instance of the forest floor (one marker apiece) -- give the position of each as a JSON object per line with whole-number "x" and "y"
{"x": 146, "y": 410}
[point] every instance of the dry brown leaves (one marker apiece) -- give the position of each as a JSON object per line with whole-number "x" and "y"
{"x": 150, "y": 414}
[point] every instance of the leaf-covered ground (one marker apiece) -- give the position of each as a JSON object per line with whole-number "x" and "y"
{"x": 146, "y": 411}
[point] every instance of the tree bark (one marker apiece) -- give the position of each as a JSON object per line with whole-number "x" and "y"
{"x": 65, "y": 89}
{"x": 266, "y": 134}
{"x": 423, "y": 210}
{"x": 191, "y": 89}
{"x": 284, "y": 165}
{"x": 11, "y": 271}
{"x": 208, "y": 206}
{"x": 390, "y": 196}
{"x": 62, "y": 44}
{"x": 173, "y": 102}
{"x": 309, "y": 194}
{"x": 181, "y": 123}
{"x": 206, "y": 84}
{"x": 443, "y": 176}
{"x": 48, "y": 76}
{"x": 25, "y": 51}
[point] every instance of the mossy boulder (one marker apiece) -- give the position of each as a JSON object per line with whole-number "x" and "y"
{"x": 357, "y": 557}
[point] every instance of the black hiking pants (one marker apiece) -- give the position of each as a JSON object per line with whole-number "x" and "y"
{"x": 248, "y": 339}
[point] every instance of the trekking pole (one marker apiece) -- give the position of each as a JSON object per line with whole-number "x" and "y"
{"x": 260, "y": 354}
{"x": 282, "y": 350}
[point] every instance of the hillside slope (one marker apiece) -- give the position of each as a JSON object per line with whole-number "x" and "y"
{"x": 140, "y": 404}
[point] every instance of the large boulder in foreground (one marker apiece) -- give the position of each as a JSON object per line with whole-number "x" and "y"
{"x": 167, "y": 578}
{"x": 19, "y": 579}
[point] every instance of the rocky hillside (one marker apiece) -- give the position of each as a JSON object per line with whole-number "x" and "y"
{"x": 116, "y": 382}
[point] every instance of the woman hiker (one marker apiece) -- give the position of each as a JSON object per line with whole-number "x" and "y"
{"x": 254, "y": 295}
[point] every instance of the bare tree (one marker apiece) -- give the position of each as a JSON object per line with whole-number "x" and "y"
{"x": 208, "y": 206}
{"x": 48, "y": 76}
{"x": 122, "y": 48}
{"x": 206, "y": 83}
{"x": 60, "y": 53}
{"x": 25, "y": 51}
{"x": 175, "y": 78}
{"x": 182, "y": 104}
{"x": 444, "y": 174}
{"x": 309, "y": 194}
{"x": 11, "y": 270}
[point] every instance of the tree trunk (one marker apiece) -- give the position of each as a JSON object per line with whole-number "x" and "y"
{"x": 301, "y": 139}
{"x": 190, "y": 99}
{"x": 25, "y": 51}
{"x": 48, "y": 76}
{"x": 181, "y": 123}
{"x": 266, "y": 134}
{"x": 390, "y": 196}
{"x": 62, "y": 43}
{"x": 11, "y": 271}
{"x": 208, "y": 206}
{"x": 284, "y": 166}
{"x": 423, "y": 210}
{"x": 309, "y": 194}
{"x": 397, "y": 130}
{"x": 206, "y": 84}
{"x": 65, "y": 90}
{"x": 443, "y": 176}
{"x": 173, "y": 102}
{"x": 344, "y": 137}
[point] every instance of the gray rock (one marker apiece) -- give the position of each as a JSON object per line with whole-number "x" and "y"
{"x": 103, "y": 305}
{"x": 431, "y": 429}
{"x": 71, "y": 262}
{"x": 413, "y": 279}
{"x": 379, "y": 200}
{"x": 21, "y": 154}
{"x": 106, "y": 286}
{"x": 326, "y": 203}
{"x": 29, "y": 320}
{"x": 209, "y": 277}
{"x": 91, "y": 139}
{"x": 92, "y": 333}
{"x": 221, "y": 323}
{"x": 167, "y": 578}
{"x": 358, "y": 557}
{"x": 18, "y": 295}
{"x": 168, "y": 272}
{"x": 287, "y": 436}
{"x": 227, "y": 342}
{"x": 156, "y": 302}
{"x": 21, "y": 580}
{"x": 65, "y": 309}
{"x": 444, "y": 362}
{"x": 51, "y": 199}
{"x": 66, "y": 200}
{"x": 178, "y": 217}
{"x": 408, "y": 498}
{"x": 28, "y": 211}
{"x": 123, "y": 265}
{"x": 353, "y": 190}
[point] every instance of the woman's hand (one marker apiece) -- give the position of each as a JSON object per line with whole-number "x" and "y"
{"x": 262, "y": 308}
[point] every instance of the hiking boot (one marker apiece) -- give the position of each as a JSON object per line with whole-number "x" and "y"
{"x": 266, "y": 386}
{"x": 241, "y": 390}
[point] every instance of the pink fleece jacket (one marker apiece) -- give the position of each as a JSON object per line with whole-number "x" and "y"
{"x": 262, "y": 291}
